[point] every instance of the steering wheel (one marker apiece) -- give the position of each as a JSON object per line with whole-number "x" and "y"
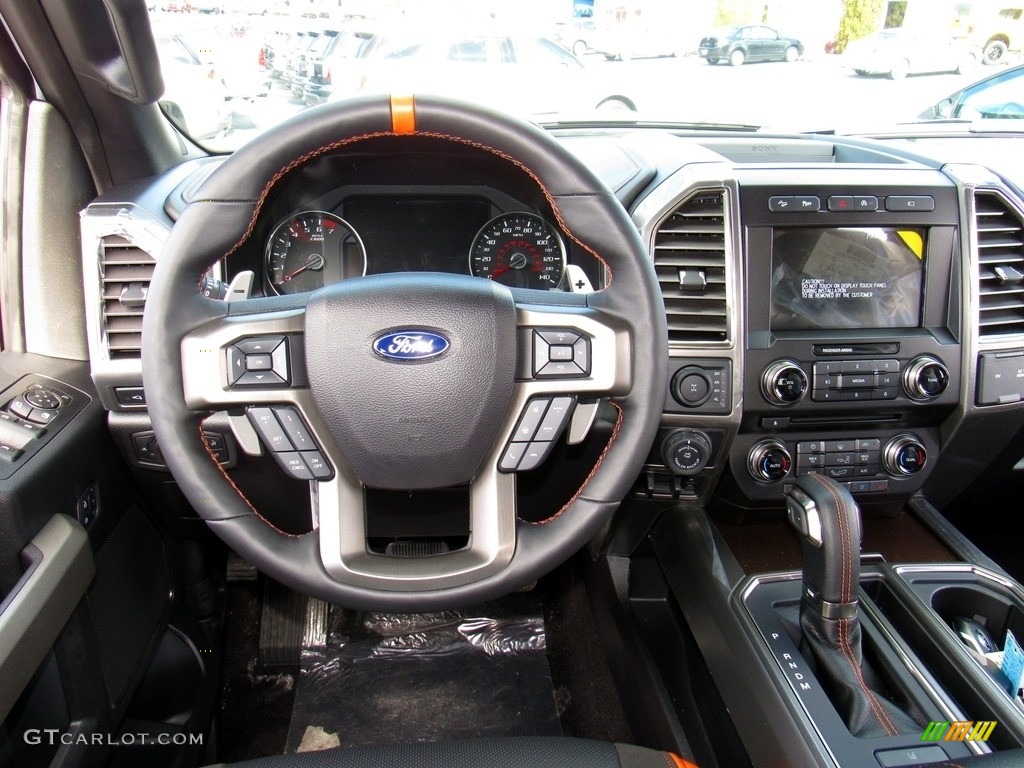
{"x": 409, "y": 382}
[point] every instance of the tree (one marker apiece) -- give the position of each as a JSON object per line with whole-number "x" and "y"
{"x": 860, "y": 18}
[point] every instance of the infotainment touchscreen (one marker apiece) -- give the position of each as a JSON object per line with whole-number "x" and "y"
{"x": 867, "y": 277}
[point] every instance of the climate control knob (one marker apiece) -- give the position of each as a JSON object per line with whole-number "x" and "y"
{"x": 904, "y": 455}
{"x": 925, "y": 378}
{"x": 686, "y": 451}
{"x": 769, "y": 461}
{"x": 784, "y": 382}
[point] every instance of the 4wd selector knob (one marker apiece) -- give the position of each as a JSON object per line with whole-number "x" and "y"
{"x": 784, "y": 382}
{"x": 904, "y": 455}
{"x": 769, "y": 461}
{"x": 686, "y": 451}
{"x": 925, "y": 378}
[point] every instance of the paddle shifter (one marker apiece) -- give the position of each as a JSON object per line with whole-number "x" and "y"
{"x": 828, "y": 521}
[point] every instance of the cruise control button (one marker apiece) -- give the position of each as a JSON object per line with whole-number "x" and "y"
{"x": 270, "y": 430}
{"x": 317, "y": 465}
{"x": 293, "y": 464}
{"x": 554, "y": 420}
{"x": 532, "y": 416}
{"x": 295, "y": 428}
{"x": 261, "y": 345}
{"x": 512, "y": 456}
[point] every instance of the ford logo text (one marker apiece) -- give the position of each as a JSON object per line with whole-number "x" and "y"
{"x": 411, "y": 345}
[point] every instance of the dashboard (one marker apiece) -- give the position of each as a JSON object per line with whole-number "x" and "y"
{"x": 836, "y": 306}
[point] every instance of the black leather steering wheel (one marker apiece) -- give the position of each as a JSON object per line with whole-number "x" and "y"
{"x": 468, "y": 400}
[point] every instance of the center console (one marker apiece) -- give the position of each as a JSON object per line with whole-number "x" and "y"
{"x": 852, "y": 357}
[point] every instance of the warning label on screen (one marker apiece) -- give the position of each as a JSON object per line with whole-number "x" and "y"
{"x": 817, "y": 288}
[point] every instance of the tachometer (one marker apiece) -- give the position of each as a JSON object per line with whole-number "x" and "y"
{"x": 311, "y": 249}
{"x": 520, "y": 250}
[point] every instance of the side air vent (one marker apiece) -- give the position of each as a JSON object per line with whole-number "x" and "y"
{"x": 1000, "y": 266}
{"x": 125, "y": 270}
{"x": 689, "y": 257}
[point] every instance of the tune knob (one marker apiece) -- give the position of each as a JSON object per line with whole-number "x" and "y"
{"x": 784, "y": 382}
{"x": 904, "y": 455}
{"x": 686, "y": 451}
{"x": 769, "y": 461}
{"x": 925, "y": 378}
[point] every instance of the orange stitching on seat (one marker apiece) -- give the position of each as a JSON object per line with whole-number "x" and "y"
{"x": 589, "y": 477}
{"x": 675, "y": 761}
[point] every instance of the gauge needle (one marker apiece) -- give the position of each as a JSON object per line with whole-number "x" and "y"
{"x": 500, "y": 270}
{"x": 315, "y": 262}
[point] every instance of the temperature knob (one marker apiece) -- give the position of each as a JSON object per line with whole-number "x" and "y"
{"x": 769, "y": 461}
{"x": 925, "y": 378}
{"x": 784, "y": 382}
{"x": 904, "y": 455}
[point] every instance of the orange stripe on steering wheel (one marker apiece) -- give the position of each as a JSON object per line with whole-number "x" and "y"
{"x": 403, "y": 113}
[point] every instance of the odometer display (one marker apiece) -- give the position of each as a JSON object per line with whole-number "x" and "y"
{"x": 520, "y": 250}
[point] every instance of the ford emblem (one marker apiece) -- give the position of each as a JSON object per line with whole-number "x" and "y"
{"x": 410, "y": 345}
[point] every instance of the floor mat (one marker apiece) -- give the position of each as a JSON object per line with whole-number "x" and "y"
{"x": 386, "y": 678}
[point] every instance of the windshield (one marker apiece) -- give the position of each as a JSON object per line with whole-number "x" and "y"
{"x": 234, "y": 68}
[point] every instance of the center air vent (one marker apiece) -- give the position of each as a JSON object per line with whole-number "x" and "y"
{"x": 126, "y": 271}
{"x": 689, "y": 258}
{"x": 1000, "y": 266}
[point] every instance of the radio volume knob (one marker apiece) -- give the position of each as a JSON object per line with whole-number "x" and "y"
{"x": 784, "y": 382}
{"x": 925, "y": 378}
{"x": 904, "y": 455}
{"x": 769, "y": 461}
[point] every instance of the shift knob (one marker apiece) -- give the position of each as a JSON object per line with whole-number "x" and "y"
{"x": 828, "y": 521}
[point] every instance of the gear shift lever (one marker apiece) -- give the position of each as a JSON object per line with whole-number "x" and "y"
{"x": 828, "y": 521}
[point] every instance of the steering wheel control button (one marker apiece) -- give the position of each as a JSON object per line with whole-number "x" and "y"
{"x": 258, "y": 362}
{"x": 293, "y": 464}
{"x": 295, "y": 428}
{"x": 534, "y": 456}
{"x": 270, "y": 430}
{"x": 315, "y": 463}
{"x": 530, "y": 420}
{"x": 43, "y": 398}
{"x": 555, "y": 419}
{"x": 512, "y": 456}
{"x": 560, "y": 353}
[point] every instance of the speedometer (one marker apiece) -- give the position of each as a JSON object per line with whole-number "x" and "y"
{"x": 312, "y": 249}
{"x": 520, "y": 250}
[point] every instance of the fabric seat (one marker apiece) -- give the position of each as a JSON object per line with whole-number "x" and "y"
{"x": 521, "y": 752}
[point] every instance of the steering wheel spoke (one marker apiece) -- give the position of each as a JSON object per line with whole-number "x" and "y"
{"x": 246, "y": 359}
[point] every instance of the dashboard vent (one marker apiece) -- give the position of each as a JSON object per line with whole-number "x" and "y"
{"x": 125, "y": 270}
{"x": 689, "y": 258}
{"x": 1000, "y": 266}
